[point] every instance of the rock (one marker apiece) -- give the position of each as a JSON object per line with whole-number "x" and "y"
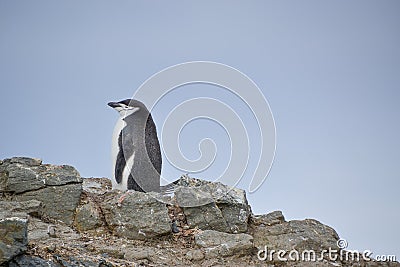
{"x": 134, "y": 254}
{"x": 224, "y": 244}
{"x": 174, "y": 228}
{"x": 18, "y": 178}
{"x": 62, "y": 261}
{"x": 108, "y": 225}
{"x": 31, "y": 261}
{"x": 38, "y": 230}
{"x": 60, "y": 175}
{"x": 20, "y": 175}
{"x": 213, "y": 206}
{"x": 21, "y": 209}
{"x": 112, "y": 251}
{"x": 207, "y": 217}
{"x": 52, "y": 231}
{"x": 300, "y": 235}
{"x": 269, "y": 219}
{"x": 58, "y": 188}
{"x": 194, "y": 255}
{"x": 50, "y": 234}
{"x": 87, "y": 217}
{"x": 51, "y": 248}
{"x": 136, "y": 215}
{"x": 13, "y": 237}
{"x": 59, "y": 202}
{"x": 31, "y": 162}
{"x": 188, "y": 197}
{"x": 96, "y": 186}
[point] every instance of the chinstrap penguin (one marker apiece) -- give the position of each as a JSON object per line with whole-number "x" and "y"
{"x": 136, "y": 153}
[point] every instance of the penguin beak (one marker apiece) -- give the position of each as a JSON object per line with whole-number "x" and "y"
{"x": 114, "y": 104}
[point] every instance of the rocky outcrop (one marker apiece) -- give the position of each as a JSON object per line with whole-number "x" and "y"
{"x": 19, "y": 175}
{"x": 57, "y": 188}
{"x": 50, "y": 216}
{"x": 272, "y": 233}
{"x": 272, "y": 230}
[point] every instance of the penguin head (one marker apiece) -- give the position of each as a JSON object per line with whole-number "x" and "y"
{"x": 128, "y": 107}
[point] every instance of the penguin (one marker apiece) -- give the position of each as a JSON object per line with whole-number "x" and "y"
{"x": 136, "y": 153}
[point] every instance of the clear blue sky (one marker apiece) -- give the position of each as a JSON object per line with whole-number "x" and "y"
{"x": 329, "y": 69}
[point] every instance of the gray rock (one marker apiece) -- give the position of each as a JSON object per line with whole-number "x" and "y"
{"x": 269, "y": 219}
{"x": 39, "y": 231}
{"x": 223, "y": 244}
{"x": 207, "y": 217}
{"x": 136, "y": 215}
{"x": 18, "y": 175}
{"x": 112, "y": 251}
{"x": 192, "y": 197}
{"x": 57, "y": 188}
{"x": 59, "y": 202}
{"x": 134, "y": 254}
{"x": 18, "y": 178}
{"x": 30, "y": 189}
{"x": 59, "y": 175}
{"x": 87, "y": 217}
{"x": 194, "y": 255}
{"x": 213, "y": 206}
{"x": 13, "y": 237}
{"x": 31, "y": 261}
{"x": 63, "y": 261}
{"x": 96, "y": 186}
{"x": 300, "y": 235}
{"x": 25, "y": 161}
{"x": 10, "y": 208}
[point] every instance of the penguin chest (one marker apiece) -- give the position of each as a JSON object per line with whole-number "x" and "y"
{"x": 116, "y": 149}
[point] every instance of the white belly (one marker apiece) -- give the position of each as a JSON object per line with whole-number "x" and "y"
{"x": 114, "y": 153}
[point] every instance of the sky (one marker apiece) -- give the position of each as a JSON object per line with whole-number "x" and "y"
{"x": 330, "y": 71}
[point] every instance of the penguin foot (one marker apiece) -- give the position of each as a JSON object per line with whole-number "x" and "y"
{"x": 122, "y": 198}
